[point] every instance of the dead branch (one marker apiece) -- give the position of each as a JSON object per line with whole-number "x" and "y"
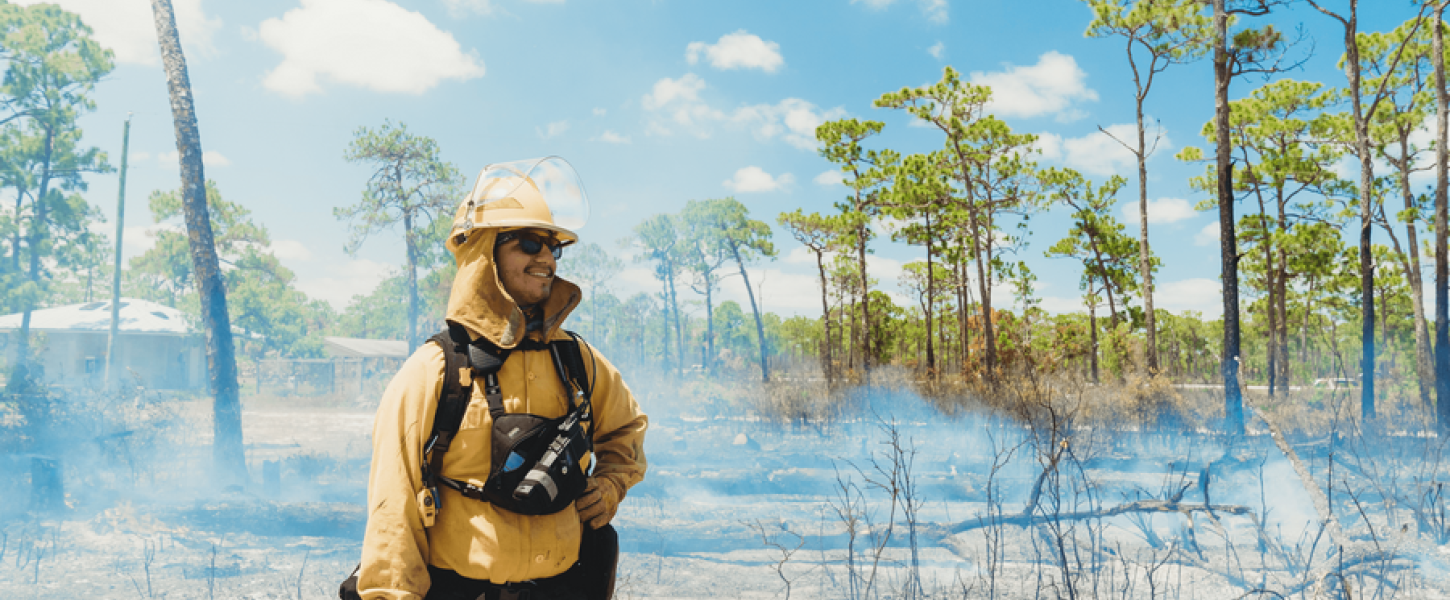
{"x": 1141, "y": 506}
{"x": 1316, "y": 494}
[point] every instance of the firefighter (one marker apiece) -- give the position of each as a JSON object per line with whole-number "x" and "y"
{"x": 506, "y": 238}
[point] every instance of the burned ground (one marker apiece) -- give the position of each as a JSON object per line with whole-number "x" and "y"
{"x": 890, "y": 499}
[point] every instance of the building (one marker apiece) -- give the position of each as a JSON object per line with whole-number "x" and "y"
{"x": 156, "y": 347}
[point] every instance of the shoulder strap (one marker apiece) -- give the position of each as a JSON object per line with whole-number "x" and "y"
{"x": 452, "y": 400}
{"x": 569, "y": 362}
{"x": 572, "y": 360}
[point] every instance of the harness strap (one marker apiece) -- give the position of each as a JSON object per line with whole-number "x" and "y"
{"x": 463, "y": 487}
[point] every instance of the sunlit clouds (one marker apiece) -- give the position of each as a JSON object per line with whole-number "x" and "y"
{"x": 553, "y": 130}
{"x": 739, "y": 50}
{"x": 1198, "y": 294}
{"x": 372, "y": 44}
{"x": 357, "y": 277}
{"x": 754, "y": 179}
{"x": 828, "y": 178}
{"x": 676, "y": 106}
{"x": 128, "y": 27}
{"x": 610, "y": 137}
{"x": 1053, "y": 86}
{"x": 1098, "y": 153}
{"x": 459, "y": 9}
{"x": 934, "y": 10}
{"x": 1160, "y": 211}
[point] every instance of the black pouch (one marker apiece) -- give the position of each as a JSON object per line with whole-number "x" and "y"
{"x": 348, "y": 589}
{"x": 537, "y": 462}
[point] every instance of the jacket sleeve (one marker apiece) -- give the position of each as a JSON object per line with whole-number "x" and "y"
{"x": 395, "y": 543}
{"x": 619, "y": 425}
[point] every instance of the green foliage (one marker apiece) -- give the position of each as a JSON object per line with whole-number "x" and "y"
{"x": 51, "y": 66}
{"x": 273, "y": 316}
{"x": 411, "y": 185}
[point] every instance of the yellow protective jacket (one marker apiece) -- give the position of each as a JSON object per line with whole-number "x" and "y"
{"x": 472, "y": 537}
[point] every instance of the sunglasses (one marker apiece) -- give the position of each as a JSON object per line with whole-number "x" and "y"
{"x": 531, "y": 245}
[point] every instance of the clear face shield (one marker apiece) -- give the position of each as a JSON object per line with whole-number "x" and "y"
{"x": 544, "y": 193}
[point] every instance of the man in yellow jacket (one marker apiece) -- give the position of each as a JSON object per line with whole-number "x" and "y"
{"x": 505, "y": 240}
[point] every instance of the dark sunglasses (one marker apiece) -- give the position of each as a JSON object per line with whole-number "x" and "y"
{"x": 531, "y": 245}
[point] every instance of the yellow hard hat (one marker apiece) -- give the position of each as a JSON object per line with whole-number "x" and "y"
{"x": 536, "y": 193}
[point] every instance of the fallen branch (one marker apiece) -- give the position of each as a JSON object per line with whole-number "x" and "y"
{"x": 1316, "y": 494}
{"x": 1141, "y": 506}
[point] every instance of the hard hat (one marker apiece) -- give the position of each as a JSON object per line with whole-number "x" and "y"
{"x": 536, "y": 193}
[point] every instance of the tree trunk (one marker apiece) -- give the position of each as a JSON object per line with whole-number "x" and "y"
{"x": 675, "y": 309}
{"x": 1442, "y": 266}
{"x": 37, "y": 235}
{"x": 1093, "y": 338}
{"x": 759, "y": 325}
{"x": 709, "y": 361}
{"x": 1281, "y": 274}
{"x": 1228, "y": 242}
{"x": 930, "y": 302}
{"x": 221, "y": 360}
{"x": 412, "y": 252}
{"x": 1272, "y": 348}
{"x": 1366, "y": 181}
{"x": 865, "y": 304}
{"x": 1424, "y": 365}
{"x": 964, "y": 312}
{"x": 1145, "y": 263}
{"x": 826, "y": 366}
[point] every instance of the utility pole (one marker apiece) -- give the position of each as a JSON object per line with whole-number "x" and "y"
{"x": 116, "y": 273}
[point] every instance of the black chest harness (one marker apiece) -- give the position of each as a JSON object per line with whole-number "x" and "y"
{"x": 536, "y": 466}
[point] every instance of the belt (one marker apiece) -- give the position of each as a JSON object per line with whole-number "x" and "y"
{"x": 449, "y": 585}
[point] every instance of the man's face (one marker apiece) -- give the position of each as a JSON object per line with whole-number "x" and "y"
{"x": 526, "y": 277}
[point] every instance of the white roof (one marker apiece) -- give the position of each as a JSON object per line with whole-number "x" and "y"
{"x": 137, "y": 316}
{"x": 365, "y": 348}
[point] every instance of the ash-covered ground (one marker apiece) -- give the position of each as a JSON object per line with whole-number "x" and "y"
{"x": 897, "y": 501}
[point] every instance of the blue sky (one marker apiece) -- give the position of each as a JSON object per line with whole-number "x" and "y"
{"x": 654, "y": 102}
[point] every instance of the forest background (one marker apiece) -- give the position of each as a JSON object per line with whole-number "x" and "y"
{"x": 1010, "y": 188}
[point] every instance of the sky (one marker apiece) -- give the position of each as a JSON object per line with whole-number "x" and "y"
{"x": 655, "y": 103}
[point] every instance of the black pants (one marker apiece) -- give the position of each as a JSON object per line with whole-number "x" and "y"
{"x": 592, "y": 578}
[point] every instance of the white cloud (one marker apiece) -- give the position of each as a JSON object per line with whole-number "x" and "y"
{"x": 352, "y": 278}
{"x": 373, "y": 44}
{"x": 1098, "y": 153}
{"x": 291, "y": 250}
{"x": 828, "y": 178}
{"x": 793, "y": 119}
{"x": 934, "y": 10}
{"x": 754, "y": 179}
{"x": 1051, "y": 86}
{"x": 610, "y": 137}
{"x": 459, "y": 9}
{"x": 599, "y": 112}
{"x": 1049, "y": 145}
{"x": 666, "y": 91}
{"x": 1162, "y": 210}
{"x": 1208, "y": 236}
{"x": 937, "y": 50}
{"x": 739, "y": 50}
{"x": 128, "y": 28}
{"x": 800, "y": 255}
{"x": 212, "y": 158}
{"x": 678, "y": 106}
{"x": 1199, "y": 294}
{"x": 555, "y": 129}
